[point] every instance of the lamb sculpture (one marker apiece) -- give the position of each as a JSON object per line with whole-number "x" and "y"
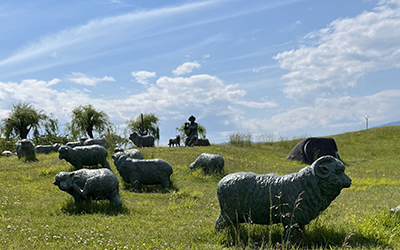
{"x": 246, "y": 196}
{"x": 85, "y": 184}
{"x": 84, "y": 156}
{"x": 147, "y": 172}
{"x": 209, "y": 163}
{"x": 175, "y": 141}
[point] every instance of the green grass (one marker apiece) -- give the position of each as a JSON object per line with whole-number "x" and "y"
{"x": 35, "y": 214}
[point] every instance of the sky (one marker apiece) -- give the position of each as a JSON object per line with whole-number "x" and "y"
{"x": 277, "y": 68}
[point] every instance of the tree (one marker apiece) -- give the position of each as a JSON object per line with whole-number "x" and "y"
{"x": 86, "y": 120}
{"x": 200, "y": 129}
{"x": 24, "y": 118}
{"x": 150, "y": 125}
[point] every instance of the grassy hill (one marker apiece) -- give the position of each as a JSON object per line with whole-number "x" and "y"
{"x": 35, "y": 214}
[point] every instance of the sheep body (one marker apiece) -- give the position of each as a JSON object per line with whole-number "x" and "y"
{"x": 249, "y": 197}
{"x": 175, "y": 141}
{"x": 209, "y": 163}
{"x": 102, "y": 142}
{"x": 146, "y": 172}
{"x": 47, "y": 149}
{"x": 202, "y": 142}
{"x": 142, "y": 141}
{"x": 131, "y": 153}
{"x": 84, "y": 156}
{"x": 94, "y": 184}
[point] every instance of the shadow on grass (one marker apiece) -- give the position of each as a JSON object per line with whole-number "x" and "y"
{"x": 248, "y": 236}
{"x": 150, "y": 188}
{"x": 93, "y": 207}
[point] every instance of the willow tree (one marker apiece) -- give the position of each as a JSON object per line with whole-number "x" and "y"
{"x": 24, "y": 118}
{"x": 144, "y": 124}
{"x": 86, "y": 120}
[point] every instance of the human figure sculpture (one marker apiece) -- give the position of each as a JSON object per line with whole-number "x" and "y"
{"x": 192, "y": 135}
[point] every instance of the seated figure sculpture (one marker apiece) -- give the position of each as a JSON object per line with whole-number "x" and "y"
{"x": 192, "y": 135}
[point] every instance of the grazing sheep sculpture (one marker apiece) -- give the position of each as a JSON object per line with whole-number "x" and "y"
{"x": 84, "y": 156}
{"x": 146, "y": 172}
{"x": 47, "y": 149}
{"x": 131, "y": 153}
{"x": 249, "y": 197}
{"x": 175, "y": 141}
{"x": 102, "y": 142}
{"x": 209, "y": 163}
{"x": 94, "y": 184}
{"x": 142, "y": 141}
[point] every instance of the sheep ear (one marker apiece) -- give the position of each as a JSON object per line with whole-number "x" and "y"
{"x": 321, "y": 167}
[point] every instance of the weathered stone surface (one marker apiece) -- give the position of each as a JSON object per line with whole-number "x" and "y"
{"x": 296, "y": 198}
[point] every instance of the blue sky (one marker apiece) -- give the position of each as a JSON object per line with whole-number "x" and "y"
{"x": 269, "y": 68}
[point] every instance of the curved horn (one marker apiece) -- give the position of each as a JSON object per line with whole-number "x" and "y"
{"x": 322, "y": 167}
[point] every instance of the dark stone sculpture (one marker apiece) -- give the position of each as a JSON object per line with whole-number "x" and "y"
{"x": 209, "y": 163}
{"x": 295, "y": 199}
{"x": 142, "y": 141}
{"x": 47, "y": 149}
{"x": 175, "y": 141}
{"x": 26, "y": 149}
{"x": 93, "y": 184}
{"x": 201, "y": 142}
{"x": 102, "y": 142}
{"x": 131, "y": 153}
{"x": 146, "y": 172}
{"x": 84, "y": 156}
{"x": 192, "y": 135}
{"x": 310, "y": 149}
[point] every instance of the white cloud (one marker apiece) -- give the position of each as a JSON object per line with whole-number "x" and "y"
{"x": 142, "y": 76}
{"x": 344, "y": 51}
{"x": 186, "y": 68}
{"x": 82, "y": 79}
{"x": 169, "y": 96}
{"x": 83, "y": 41}
{"x": 345, "y": 112}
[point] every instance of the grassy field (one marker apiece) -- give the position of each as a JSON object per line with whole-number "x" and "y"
{"x": 35, "y": 214}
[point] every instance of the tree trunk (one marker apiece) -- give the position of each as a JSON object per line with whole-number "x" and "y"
{"x": 89, "y": 131}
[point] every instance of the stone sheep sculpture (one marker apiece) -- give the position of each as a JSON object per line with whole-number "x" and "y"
{"x": 249, "y": 197}
{"x": 142, "y": 141}
{"x": 146, "y": 172}
{"x": 73, "y": 144}
{"x": 102, "y": 142}
{"x": 25, "y": 149}
{"x": 93, "y": 184}
{"x": 47, "y": 149}
{"x": 131, "y": 153}
{"x": 84, "y": 156}
{"x": 209, "y": 163}
{"x": 175, "y": 141}
{"x": 202, "y": 142}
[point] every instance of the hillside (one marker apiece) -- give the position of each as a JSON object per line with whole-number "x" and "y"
{"x": 35, "y": 214}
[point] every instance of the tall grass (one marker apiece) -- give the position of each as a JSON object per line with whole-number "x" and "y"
{"x": 35, "y": 214}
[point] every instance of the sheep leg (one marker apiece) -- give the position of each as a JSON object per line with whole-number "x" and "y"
{"x": 135, "y": 184}
{"x": 165, "y": 183}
